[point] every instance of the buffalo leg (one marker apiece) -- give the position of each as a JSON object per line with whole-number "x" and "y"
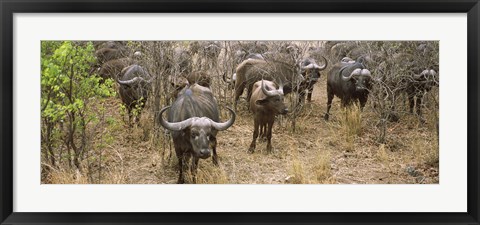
{"x": 249, "y": 94}
{"x": 269, "y": 136}
{"x": 419, "y": 108}
{"x": 363, "y": 101}
{"x": 255, "y": 135}
{"x": 309, "y": 95}
{"x": 129, "y": 112}
{"x": 263, "y": 132}
{"x": 214, "y": 156}
{"x": 418, "y": 104}
{"x": 181, "y": 161}
{"x": 193, "y": 169}
{"x": 238, "y": 93}
{"x": 329, "y": 102}
{"x": 411, "y": 100}
{"x": 301, "y": 96}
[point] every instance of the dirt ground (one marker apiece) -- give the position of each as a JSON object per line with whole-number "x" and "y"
{"x": 316, "y": 152}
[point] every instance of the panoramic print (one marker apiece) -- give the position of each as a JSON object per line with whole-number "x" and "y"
{"x": 239, "y": 112}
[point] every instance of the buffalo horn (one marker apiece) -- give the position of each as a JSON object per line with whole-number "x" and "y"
{"x": 309, "y": 66}
{"x": 324, "y": 65}
{"x": 131, "y": 81}
{"x": 225, "y": 125}
{"x": 356, "y": 72}
{"x": 227, "y": 79}
{"x": 366, "y": 72}
{"x": 271, "y": 93}
{"x": 423, "y": 74}
{"x": 177, "y": 126}
{"x": 133, "y": 69}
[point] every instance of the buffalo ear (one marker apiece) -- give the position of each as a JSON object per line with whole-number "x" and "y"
{"x": 261, "y": 101}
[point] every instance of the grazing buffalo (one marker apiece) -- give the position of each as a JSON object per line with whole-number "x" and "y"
{"x": 194, "y": 121}
{"x": 287, "y": 76}
{"x": 310, "y": 70}
{"x": 266, "y": 102}
{"x": 135, "y": 83}
{"x": 417, "y": 86}
{"x": 349, "y": 82}
{"x": 231, "y": 81}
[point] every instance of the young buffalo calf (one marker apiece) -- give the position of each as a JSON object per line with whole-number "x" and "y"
{"x": 266, "y": 102}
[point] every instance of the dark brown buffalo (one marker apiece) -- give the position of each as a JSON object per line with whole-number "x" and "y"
{"x": 350, "y": 82}
{"x": 417, "y": 86}
{"x": 231, "y": 81}
{"x": 106, "y": 54}
{"x": 113, "y": 68}
{"x": 109, "y": 44}
{"x": 266, "y": 102}
{"x": 287, "y": 76}
{"x": 310, "y": 70}
{"x": 135, "y": 84}
{"x": 194, "y": 121}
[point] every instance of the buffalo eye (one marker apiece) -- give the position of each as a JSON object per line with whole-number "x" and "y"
{"x": 194, "y": 134}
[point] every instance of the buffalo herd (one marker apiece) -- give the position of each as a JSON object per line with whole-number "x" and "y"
{"x": 268, "y": 75}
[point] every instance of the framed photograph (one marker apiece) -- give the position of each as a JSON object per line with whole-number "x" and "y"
{"x": 238, "y": 112}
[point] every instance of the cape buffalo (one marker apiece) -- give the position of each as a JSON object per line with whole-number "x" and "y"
{"x": 135, "y": 83}
{"x": 194, "y": 121}
{"x": 418, "y": 86}
{"x": 231, "y": 81}
{"x": 106, "y": 54}
{"x": 310, "y": 70}
{"x": 349, "y": 82}
{"x": 266, "y": 102}
{"x": 113, "y": 68}
{"x": 287, "y": 76}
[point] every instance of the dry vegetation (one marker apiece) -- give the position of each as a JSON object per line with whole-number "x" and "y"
{"x": 344, "y": 150}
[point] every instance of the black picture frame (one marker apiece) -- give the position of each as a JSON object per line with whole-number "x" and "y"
{"x": 9, "y": 7}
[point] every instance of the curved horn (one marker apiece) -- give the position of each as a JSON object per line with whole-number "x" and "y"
{"x": 177, "y": 126}
{"x": 225, "y": 125}
{"x": 132, "y": 69}
{"x": 346, "y": 59}
{"x": 309, "y": 66}
{"x": 356, "y": 72}
{"x": 423, "y": 74}
{"x": 366, "y": 72}
{"x": 267, "y": 92}
{"x": 225, "y": 78}
{"x": 131, "y": 81}
{"x": 324, "y": 65}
